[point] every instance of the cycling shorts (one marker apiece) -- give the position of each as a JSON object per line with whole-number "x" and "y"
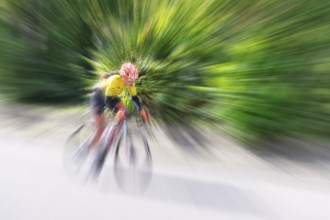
{"x": 97, "y": 102}
{"x": 111, "y": 102}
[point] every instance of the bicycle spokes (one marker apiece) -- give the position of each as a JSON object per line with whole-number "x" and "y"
{"x": 133, "y": 163}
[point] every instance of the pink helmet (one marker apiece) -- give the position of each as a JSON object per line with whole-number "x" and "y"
{"x": 129, "y": 72}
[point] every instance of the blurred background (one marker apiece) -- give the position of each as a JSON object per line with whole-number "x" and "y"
{"x": 254, "y": 70}
{"x": 243, "y": 83}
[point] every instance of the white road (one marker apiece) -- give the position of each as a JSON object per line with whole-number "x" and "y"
{"x": 228, "y": 182}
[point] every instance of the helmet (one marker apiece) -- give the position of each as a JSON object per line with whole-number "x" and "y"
{"x": 129, "y": 72}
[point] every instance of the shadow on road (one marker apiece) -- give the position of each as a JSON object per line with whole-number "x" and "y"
{"x": 288, "y": 155}
{"x": 213, "y": 196}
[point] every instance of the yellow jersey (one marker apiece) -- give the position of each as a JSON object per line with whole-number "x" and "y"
{"x": 115, "y": 85}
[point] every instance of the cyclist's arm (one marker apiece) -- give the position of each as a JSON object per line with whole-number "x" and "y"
{"x": 137, "y": 103}
{"x": 135, "y": 98}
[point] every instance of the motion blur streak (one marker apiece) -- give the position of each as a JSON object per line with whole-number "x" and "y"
{"x": 254, "y": 70}
{"x": 227, "y": 181}
{"x": 214, "y": 76}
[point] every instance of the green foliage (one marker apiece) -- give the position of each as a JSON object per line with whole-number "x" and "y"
{"x": 256, "y": 69}
{"x": 42, "y": 44}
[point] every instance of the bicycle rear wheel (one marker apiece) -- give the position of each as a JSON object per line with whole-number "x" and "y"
{"x": 133, "y": 162}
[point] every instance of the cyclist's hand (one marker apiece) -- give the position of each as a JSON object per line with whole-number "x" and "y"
{"x": 144, "y": 115}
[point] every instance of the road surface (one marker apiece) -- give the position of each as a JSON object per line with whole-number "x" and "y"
{"x": 225, "y": 181}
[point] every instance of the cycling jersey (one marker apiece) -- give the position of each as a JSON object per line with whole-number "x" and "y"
{"x": 115, "y": 85}
{"x": 111, "y": 88}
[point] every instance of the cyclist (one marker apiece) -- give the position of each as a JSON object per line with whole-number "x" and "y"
{"x": 106, "y": 94}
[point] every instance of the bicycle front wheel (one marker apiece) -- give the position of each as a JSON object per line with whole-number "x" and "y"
{"x": 133, "y": 162}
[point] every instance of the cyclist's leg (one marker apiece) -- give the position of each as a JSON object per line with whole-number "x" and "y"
{"x": 121, "y": 111}
{"x": 117, "y": 106}
{"x": 97, "y": 104}
{"x": 113, "y": 103}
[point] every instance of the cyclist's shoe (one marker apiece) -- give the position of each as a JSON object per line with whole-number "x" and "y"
{"x": 98, "y": 161}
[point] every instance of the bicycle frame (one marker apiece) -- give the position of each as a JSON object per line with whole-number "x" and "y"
{"x": 116, "y": 132}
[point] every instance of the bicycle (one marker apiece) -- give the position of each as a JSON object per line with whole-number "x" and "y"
{"x": 132, "y": 155}
{"x": 75, "y": 148}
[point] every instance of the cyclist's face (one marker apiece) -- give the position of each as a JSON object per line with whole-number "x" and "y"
{"x": 129, "y": 82}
